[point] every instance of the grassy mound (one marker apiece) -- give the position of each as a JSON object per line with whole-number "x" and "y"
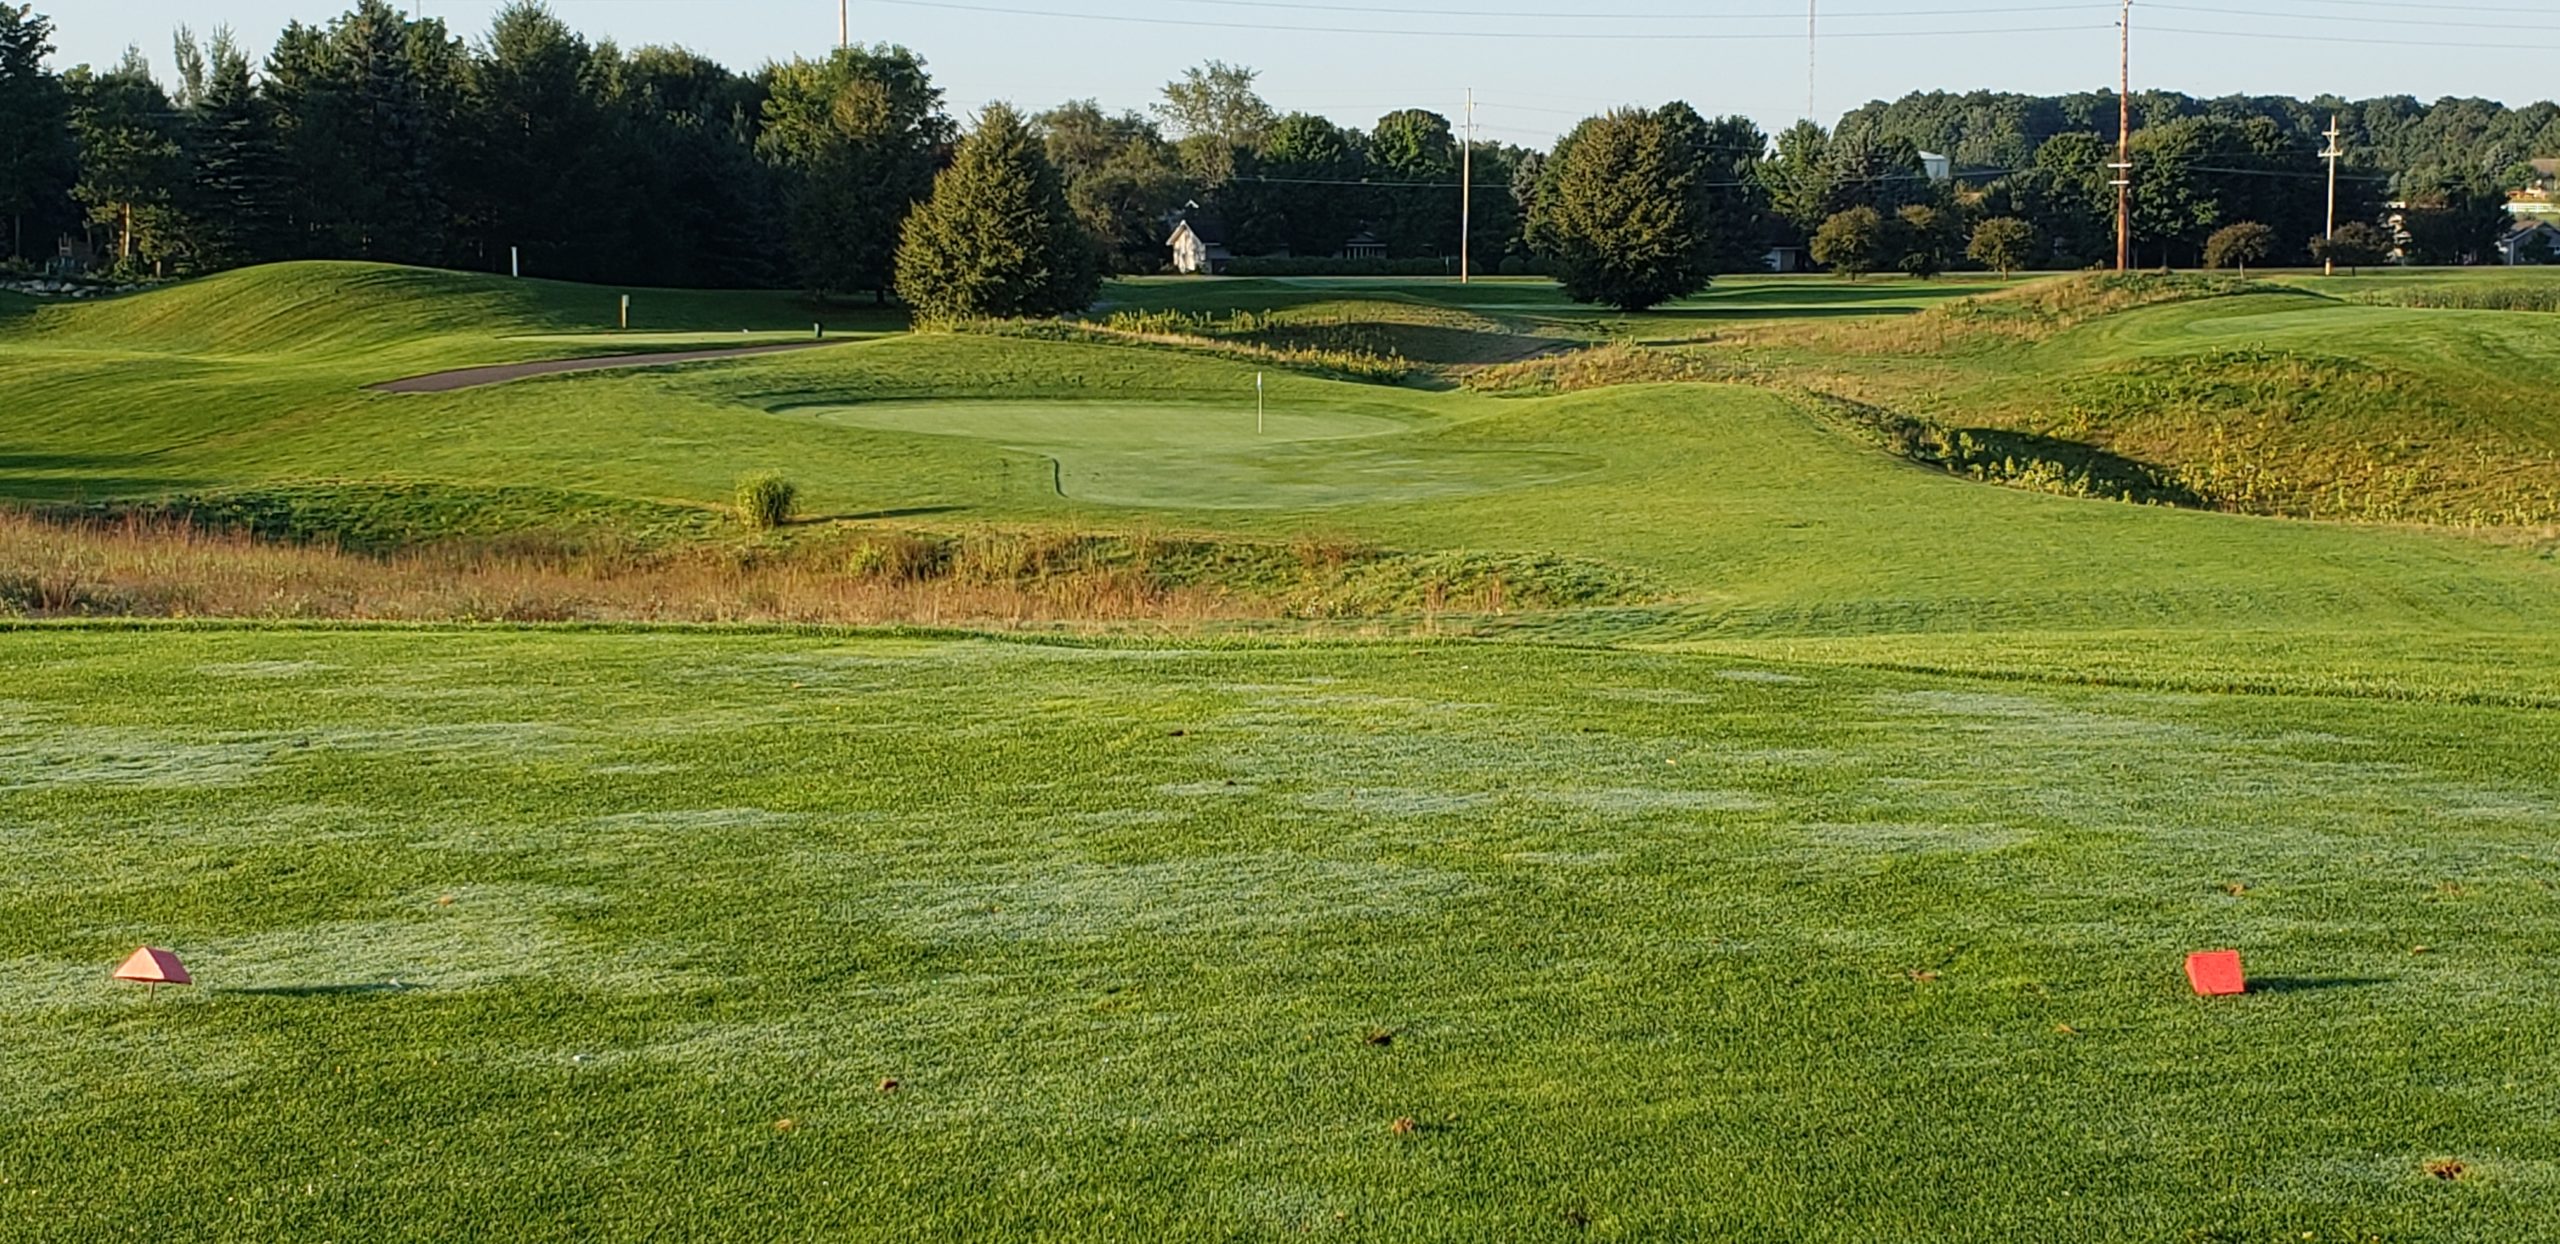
{"x": 384, "y": 517}
{"x": 337, "y": 308}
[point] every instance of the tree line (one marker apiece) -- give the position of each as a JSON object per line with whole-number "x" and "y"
{"x": 381, "y": 135}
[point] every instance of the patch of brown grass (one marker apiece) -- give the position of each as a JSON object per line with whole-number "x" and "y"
{"x": 142, "y": 565}
{"x": 145, "y": 568}
{"x": 1616, "y": 363}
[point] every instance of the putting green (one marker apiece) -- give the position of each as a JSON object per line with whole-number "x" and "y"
{"x": 1191, "y": 455}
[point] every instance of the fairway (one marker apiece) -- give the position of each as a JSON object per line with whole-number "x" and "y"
{"x": 1197, "y": 456}
{"x": 1162, "y": 941}
{"x": 1589, "y": 777}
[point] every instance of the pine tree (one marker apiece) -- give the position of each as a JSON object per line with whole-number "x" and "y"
{"x": 33, "y": 150}
{"x": 1622, "y": 213}
{"x": 232, "y": 141}
{"x": 997, "y": 238}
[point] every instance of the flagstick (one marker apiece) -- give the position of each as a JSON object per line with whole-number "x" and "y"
{"x": 1257, "y": 403}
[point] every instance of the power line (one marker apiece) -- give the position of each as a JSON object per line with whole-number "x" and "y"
{"x": 1569, "y": 15}
{"x": 1542, "y": 36}
{"x": 2291, "y": 37}
{"x": 2427, "y": 6}
{"x": 2341, "y": 17}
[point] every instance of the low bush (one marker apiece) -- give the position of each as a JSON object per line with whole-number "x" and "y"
{"x": 766, "y": 500}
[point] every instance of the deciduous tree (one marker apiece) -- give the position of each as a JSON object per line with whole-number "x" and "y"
{"x": 854, "y": 138}
{"x": 2239, "y": 245}
{"x": 1623, "y": 211}
{"x": 1854, "y": 243}
{"x": 2357, "y": 244}
{"x": 2003, "y": 243}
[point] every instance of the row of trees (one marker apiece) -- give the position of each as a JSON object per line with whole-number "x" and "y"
{"x": 2398, "y": 134}
{"x": 381, "y": 135}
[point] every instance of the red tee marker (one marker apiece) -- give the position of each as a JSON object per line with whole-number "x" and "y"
{"x": 154, "y": 967}
{"x": 2216, "y": 973}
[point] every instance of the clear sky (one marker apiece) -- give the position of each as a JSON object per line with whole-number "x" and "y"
{"x": 1536, "y": 65}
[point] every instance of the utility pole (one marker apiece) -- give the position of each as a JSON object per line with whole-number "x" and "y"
{"x": 2124, "y": 140}
{"x": 2329, "y": 263}
{"x": 1810, "y": 30}
{"x": 1467, "y": 188}
{"x": 844, "y": 25}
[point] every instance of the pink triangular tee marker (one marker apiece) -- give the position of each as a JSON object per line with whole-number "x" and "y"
{"x": 154, "y": 966}
{"x": 2216, "y": 973}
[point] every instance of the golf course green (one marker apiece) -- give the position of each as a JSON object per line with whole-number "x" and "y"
{"x": 1788, "y": 823}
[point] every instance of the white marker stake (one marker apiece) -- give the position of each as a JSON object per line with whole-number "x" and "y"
{"x": 1257, "y": 403}
{"x": 626, "y": 311}
{"x": 515, "y": 262}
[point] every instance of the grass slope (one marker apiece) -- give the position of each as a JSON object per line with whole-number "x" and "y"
{"x": 1841, "y": 898}
{"x": 2307, "y": 399}
{"x": 1760, "y": 517}
{"x": 608, "y": 937}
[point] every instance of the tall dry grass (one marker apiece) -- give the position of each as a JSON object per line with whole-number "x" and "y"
{"x": 152, "y": 568}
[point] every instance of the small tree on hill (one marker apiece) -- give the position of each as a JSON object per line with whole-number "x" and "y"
{"x": 1926, "y": 238}
{"x": 2003, "y": 243}
{"x": 2236, "y": 246}
{"x": 1853, "y": 243}
{"x": 2356, "y": 245}
{"x": 997, "y": 238}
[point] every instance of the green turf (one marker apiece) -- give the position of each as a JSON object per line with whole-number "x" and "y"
{"x": 1160, "y": 943}
{"x": 1827, "y": 882}
{"x": 1760, "y": 516}
{"x": 1215, "y": 457}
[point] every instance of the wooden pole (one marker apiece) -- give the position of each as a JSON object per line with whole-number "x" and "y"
{"x": 2124, "y": 140}
{"x": 2329, "y": 263}
{"x": 1467, "y": 188}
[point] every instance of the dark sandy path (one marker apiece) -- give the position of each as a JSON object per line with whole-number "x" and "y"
{"x": 474, "y": 377}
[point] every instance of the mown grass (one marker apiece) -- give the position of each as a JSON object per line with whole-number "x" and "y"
{"x": 594, "y": 936}
{"x": 1812, "y": 860}
{"x": 1750, "y": 510}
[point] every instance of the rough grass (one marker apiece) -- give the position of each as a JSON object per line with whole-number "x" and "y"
{"x": 144, "y": 566}
{"x": 1379, "y": 942}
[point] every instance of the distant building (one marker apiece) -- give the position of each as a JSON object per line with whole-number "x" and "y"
{"x": 1199, "y": 244}
{"x": 73, "y": 256}
{"x": 2533, "y": 242}
{"x": 1784, "y": 259}
{"x": 1364, "y": 245}
{"x": 1938, "y": 167}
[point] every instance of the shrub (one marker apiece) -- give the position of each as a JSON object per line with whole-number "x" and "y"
{"x": 767, "y": 499}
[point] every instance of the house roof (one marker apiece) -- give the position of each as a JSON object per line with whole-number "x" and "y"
{"x": 2529, "y": 227}
{"x": 2547, "y": 168}
{"x": 1203, "y": 225}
